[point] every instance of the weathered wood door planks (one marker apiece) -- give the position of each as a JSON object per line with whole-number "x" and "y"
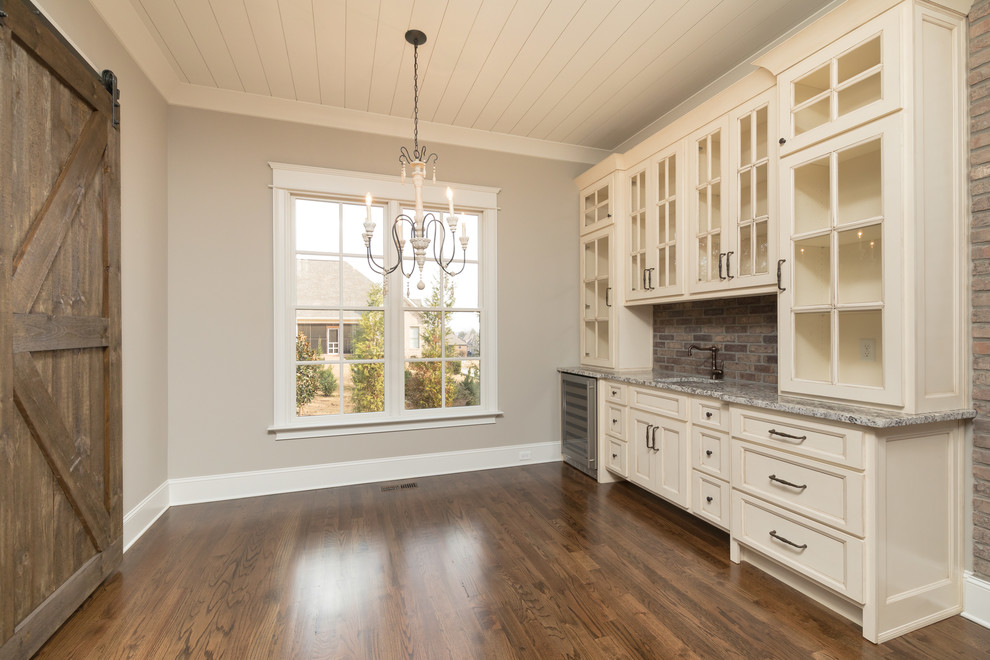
{"x": 60, "y": 385}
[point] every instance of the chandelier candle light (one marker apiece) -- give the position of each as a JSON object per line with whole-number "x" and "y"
{"x": 423, "y": 222}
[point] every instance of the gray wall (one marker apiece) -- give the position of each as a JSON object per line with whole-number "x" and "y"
{"x": 144, "y": 221}
{"x": 220, "y": 349}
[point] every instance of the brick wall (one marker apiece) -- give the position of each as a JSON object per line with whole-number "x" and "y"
{"x": 979, "y": 111}
{"x": 745, "y": 329}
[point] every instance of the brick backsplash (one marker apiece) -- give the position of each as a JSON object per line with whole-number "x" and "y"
{"x": 979, "y": 116}
{"x": 744, "y": 329}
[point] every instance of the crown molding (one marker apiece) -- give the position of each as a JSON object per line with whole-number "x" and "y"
{"x": 124, "y": 21}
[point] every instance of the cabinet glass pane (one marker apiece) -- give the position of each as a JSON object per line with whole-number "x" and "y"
{"x": 662, "y": 224}
{"x": 859, "y": 183}
{"x": 602, "y": 269}
{"x": 602, "y": 348}
{"x": 590, "y": 339}
{"x": 715, "y": 245}
{"x": 760, "y": 191}
{"x": 662, "y": 266}
{"x": 860, "y": 265}
{"x": 812, "y": 85}
{"x": 703, "y": 170}
{"x": 716, "y": 156}
{"x": 662, "y": 180}
{"x": 716, "y": 206}
{"x": 858, "y": 60}
{"x": 672, "y": 265}
{"x": 604, "y": 298}
{"x": 812, "y": 346}
{"x": 811, "y": 196}
{"x": 761, "y": 133}
{"x": 861, "y": 348}
{"x": 860, "y": 93}
{"x": 762, "y": 248}
{"x": 603, "y": 195}
{"x": 746, "y": 194}
{"x": 812, "y": 271}
{"x": 589, "y": 298}
{"x": 671, "y": 176}
{"x": 746, "y": 140}
{"x": 746, "y": 250}
{"x": 703, "y": 221}
{"x": 811, "y": 116}
{"x": 590, "y": 261}
{"x": 589, "y": 210}
{"x": 671, "y": 219}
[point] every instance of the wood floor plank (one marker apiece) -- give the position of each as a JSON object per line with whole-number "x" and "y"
{"x": 530, "y": 562}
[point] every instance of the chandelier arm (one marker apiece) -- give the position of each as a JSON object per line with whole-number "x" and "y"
{"x": 376, "y": 267}
{"x": 463, "y": 263}
{"x": 402, "y": 217}
{"x": 440, "y": 229}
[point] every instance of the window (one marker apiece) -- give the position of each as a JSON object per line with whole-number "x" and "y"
{"x": 357, "y": 351}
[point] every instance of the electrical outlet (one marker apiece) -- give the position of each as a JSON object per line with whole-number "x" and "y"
{"x": 868, "y": 350}
{"x": 525, "y": 455}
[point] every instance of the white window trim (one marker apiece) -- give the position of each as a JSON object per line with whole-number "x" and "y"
{"x": 293, "y": 180}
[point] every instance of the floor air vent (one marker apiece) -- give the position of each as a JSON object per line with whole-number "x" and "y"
{"x": 398, "y": 486}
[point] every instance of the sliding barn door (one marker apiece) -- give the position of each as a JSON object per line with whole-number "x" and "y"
{"x": 60, "y": 415}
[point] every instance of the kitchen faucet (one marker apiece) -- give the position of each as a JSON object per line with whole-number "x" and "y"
{"x": 716, "y": 371}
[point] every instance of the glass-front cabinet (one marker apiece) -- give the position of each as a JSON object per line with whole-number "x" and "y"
{"x": 732, "y": 217}
{"x": 853, "y": 80}
{"x": 596, "y": 207}
{"x": 596, "y": 298}
{"x": 654, "y": 227}
{"x": 842, "y": 227}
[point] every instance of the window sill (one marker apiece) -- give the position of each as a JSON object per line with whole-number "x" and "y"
{"x": 320, "y": 428}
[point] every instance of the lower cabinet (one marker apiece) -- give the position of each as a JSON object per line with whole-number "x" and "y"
{"x": 866, "y": 521}
{"x": 659, "y": 455}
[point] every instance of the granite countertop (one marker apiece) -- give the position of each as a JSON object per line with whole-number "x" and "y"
{"x": 760, "y": 395}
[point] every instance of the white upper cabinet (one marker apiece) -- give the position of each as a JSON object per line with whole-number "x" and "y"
{"x": 596, "y": 206}
{"x": 654, "y": 227}
{"x": 854, "y": 80}
{"x": 873, "y": 221}
{"x": 598, "y": 308}
{"x": 732, "y": 205}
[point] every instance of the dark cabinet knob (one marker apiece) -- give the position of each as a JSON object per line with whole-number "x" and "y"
{"x": 708, "y": 414}
{"x": 615, "y": 455}
{"x": 615, "y": 421}
{"x": 708, "y": 452}
{"x": 709, "y": 499}
{"x": 781, "y": 140}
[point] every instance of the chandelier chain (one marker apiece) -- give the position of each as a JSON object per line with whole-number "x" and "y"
{"x": 416, "y": 101}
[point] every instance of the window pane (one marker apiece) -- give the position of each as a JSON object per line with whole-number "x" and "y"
{"x": 364, "y": 387}
{"x": 354, "y": 216}
{"x": 463, "y": 383}
{"x": 319, "y": 330}
{"x": 363, "y": 335}
{"x": 361, "y": 286}
{"x": 462, "y": 289}
{"x": 317, "y": 281}
{"x": 317, "y": 225}
{"x": 318, "y": 390}
{"x": 423, "y": 385}
{"x": 465, "y": 327}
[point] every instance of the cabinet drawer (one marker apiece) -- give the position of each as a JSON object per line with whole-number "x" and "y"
{"x": 710, "y": 412}
{"x": 823, "y": 554}
{"x": 710, "y": 452}
{"x": 823, "y": 492}
{"x": 801, "y": 435}
{"x": 614, "y": 392}
{"x": 615, "y": 420}
{"x": 710, "y": 499}
{"x": 616, "y": 460}
{"x": 660, "y": 402}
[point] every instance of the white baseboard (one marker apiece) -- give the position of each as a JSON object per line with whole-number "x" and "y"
{"x": 140, "y": 518}
{"x": 976, "y": 599}
{"x": 219, "y": 487}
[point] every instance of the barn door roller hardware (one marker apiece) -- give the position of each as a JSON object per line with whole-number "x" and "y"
{"x": 110, "y": 82}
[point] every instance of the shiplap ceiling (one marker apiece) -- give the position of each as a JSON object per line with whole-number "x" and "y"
{"x": 582, "y": 72}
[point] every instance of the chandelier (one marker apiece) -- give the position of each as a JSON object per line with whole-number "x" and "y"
{"x": 422, "y": 224}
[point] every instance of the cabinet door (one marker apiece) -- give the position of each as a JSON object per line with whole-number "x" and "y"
{"x": 708, "y": 175}
{"x": 660, "y": 461}
{"x": 750, "y": 256}
{"x": 640, "y": 233}
{"x": 643, "y": 465}
{"x": 596, "y": 206}
{"x": 667, "y": 246}
{"x": 850, "y": 82}
{"x": 597, "y": 315}
{"x": 840, "y": 316}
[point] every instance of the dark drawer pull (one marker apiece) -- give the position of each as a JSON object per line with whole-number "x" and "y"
{"x": 779, "y": 434}
{"x": 615, "y": 421}
{"x": 615, "y": 455}
{"x": 708, "y": 415}
{"x": 780, "y": 538}
{"x": 709, "y": 498}
{"x": 708, "y": 452}
{"x": 773, "y": 477}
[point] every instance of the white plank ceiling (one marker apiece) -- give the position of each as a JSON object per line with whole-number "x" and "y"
{"x": 583, "y": 72}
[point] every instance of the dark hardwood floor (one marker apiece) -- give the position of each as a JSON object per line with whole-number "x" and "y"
{"x": 529, "y": 562}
